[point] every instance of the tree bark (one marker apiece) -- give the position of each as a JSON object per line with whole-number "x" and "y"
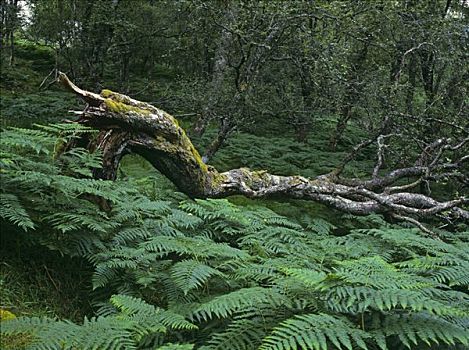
{"x": 220, "y": 71}
{"x": 411, "y": 85}
{"x": 427, "y": 62}
{"x": 246, "y": 72}
{"x": 352, "y": 93}
{"x": 128, "y": 124}
{"x": 10, "y": 22}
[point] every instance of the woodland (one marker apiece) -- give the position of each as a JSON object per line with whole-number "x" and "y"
{"x": 233, "y": 174}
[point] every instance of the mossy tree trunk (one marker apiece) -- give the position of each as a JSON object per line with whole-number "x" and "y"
{"x": 128, "y": 124}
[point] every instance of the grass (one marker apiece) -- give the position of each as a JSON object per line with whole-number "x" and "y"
{"x": 35, "y": 281}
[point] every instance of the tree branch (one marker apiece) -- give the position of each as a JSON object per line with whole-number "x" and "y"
{"x": 157, "y": 136}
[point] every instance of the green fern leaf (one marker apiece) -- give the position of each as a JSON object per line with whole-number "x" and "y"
{"x": 192, "y": 274}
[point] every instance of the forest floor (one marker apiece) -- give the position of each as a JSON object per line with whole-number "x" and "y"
{"x": 39, "y": 282}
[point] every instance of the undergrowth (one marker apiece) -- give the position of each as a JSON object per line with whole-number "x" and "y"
{"x": 172, "y": 273}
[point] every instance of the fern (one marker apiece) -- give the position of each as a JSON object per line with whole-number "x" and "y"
{"x": 197, "y": 247}
{"x": 241, "y": 334}
{"x": 314, "y": 332}
{"x": 176, "y": 347}
{"x": 119, "y": 331}
{"x": 453, "y": 275}
{"x": 418, "y": 328}
{"x": 132, "y": 306}
{"x": 213, "y": 274}
{"x": 227, "y": 304}
{"x": 12, "y": 210}
{"x": 95, "y": 333}
{"x": 192, "y": 274}
{"x": 375, "y": 272}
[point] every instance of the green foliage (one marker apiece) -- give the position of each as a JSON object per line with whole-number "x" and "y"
{"x": 284, "y": 156}
{"x": 212, "y": 274}
{"x": 168, "y": 272}
{"x": 95, "y": 333}
{"x": 314, "y": 332}
{"x": 11, "y": 210}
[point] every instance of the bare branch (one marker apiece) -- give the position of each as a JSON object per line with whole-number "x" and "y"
{"x": 89, "y": 97}
{"x": 380, "y": 160}
{"x": 418, "y": 224}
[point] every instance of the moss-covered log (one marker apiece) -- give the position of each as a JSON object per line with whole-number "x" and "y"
{"x": 128, "y": 124}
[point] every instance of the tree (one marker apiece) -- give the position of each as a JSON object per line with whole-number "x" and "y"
{"x": 9, "y": 11}
{"x": 128, "y": 124}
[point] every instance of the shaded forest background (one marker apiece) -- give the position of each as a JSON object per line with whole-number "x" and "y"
{"x": 291, "y": 87}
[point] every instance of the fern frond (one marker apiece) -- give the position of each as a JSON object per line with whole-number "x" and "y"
{"x": 176, "y": 347}
{"x": 320, "y": 226}
{"x": 415, "y": 328}
{"x": 12, "y": 210}
{"x": 132, "y": 306}
{"x": 375, "y": 271}
{"x": 67, "y": 221}
{"x": 242, "y": 334}
{"x": 361, "y": 299}
{"x": 198, "y": 247}
{"x": 96, "y": 333}
{"x": 453, "y": 275}
{"x": 192, "y": 274}
{"x": 225, "y": 305}
{"x": 313, "y": 331}
{"x": 308, "y": 277}
{"x": 36, "y": 140}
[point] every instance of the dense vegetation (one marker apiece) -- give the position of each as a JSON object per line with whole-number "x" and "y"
{"x": 348, "y": 88}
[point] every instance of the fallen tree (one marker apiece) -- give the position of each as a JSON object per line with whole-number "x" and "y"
{"x": 127, "y": 124}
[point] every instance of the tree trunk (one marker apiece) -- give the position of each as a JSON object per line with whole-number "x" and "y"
{"x": 155, "y": 135}
{"x": 225, "y": 128}
{"x": 219, "y": 75}
{"x": 427, "y": 62}
{"x": 246, "y": 72}
{"x": 10, "y": 22}
{"x": 12, "y": 49}
{"x": 411, "y": 85}
{"x": 352, "y": 92}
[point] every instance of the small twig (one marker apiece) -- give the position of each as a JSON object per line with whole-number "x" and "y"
{"x": 53, "y": 71}
{"x": 459, "y": 145}
{"x": 415, "y": 48}
{"x": 418, "y": 224}
{"x": 365, "y": 143}
{"x": 437, "y": 146}
{"x": 51, "y": 279}
{"x": 403, "y": 187}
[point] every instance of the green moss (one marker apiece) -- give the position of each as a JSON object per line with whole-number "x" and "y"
{"x": 176, "y": 122}
{"x": 107, "y": 93}
{"x": 184, "y": 144}
{"x": 296, "y": 180}
{"x": 218, "y": 179}
{"x": 259, "y": 175}
{"x": 255, "y": 178}
{"x": 120, "y": 107}
{"x": 6, "y": 315}
{"x": 198, "y": 158}
{"x": 115, "y": 96}
{"x": 187, "y": 144}
{"x": 118, "y": 103}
